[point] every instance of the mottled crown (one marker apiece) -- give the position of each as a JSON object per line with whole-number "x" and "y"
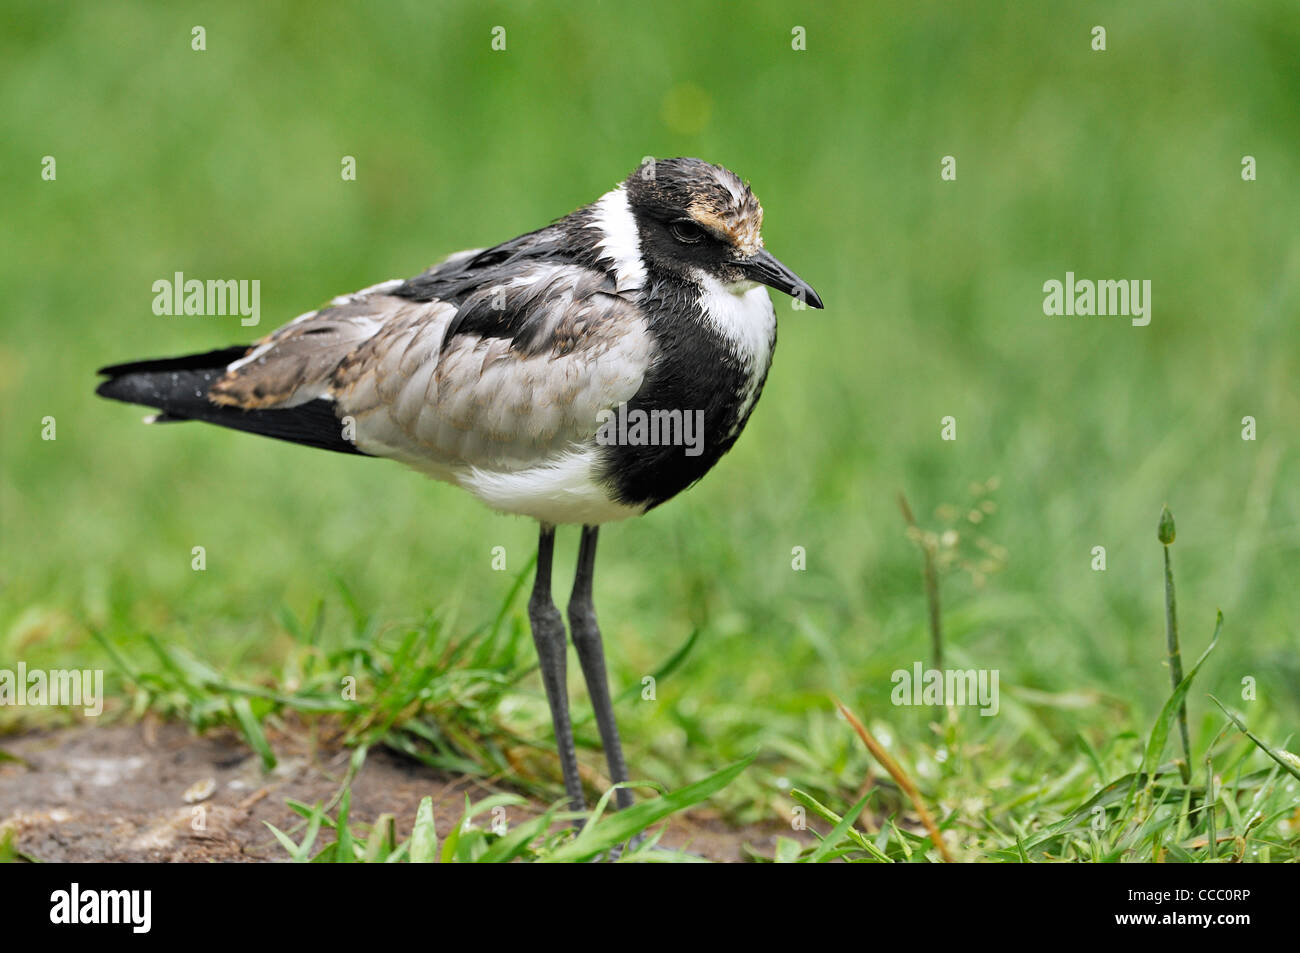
{"x": 714, "y": 197}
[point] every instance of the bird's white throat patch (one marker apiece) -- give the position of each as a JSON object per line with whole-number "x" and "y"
{"x": 742, "y": 313}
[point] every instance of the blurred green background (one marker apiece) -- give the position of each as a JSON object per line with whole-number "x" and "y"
{"x": 1117, "y": 164}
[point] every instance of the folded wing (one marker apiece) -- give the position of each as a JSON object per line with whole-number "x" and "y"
{"x": 490, "y": 360}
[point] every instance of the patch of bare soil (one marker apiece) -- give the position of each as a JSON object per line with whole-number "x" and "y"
{"x": 158, "y": 792}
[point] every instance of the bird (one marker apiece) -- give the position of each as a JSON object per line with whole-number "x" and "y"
{"x": 583, "y": 373}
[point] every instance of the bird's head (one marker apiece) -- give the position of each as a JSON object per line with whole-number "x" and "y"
{"x": 696, "y": 219}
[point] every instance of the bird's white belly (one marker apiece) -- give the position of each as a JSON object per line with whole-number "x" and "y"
{"x": 560, "y": 490}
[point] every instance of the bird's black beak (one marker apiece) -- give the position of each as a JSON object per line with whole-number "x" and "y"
{"x": 765, "y": 269}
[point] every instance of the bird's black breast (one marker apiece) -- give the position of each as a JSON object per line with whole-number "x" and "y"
{"x": 697, "y": 372}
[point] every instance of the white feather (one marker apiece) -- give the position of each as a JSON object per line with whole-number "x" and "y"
{"x": 382, "y": 288}
{"x": 561, "y": 490}
{"x": 620, "y": 241}
{"x": 743, "y": 314}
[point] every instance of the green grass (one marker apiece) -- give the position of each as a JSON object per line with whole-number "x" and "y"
{"x": 460, "y": 702}
{"x": 1117, "y": 164}
{"x": 549, "y": 837}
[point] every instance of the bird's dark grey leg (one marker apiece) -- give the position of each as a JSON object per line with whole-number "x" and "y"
{"x": 586, "y": 639}
{"x": 548, "y": 636}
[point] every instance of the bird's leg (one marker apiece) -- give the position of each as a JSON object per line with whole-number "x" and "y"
{"x": 548, "y": 636}
{"x": 586, "y": 639}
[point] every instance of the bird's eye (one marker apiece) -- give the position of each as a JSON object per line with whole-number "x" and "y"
{"x": 686, "y": 231}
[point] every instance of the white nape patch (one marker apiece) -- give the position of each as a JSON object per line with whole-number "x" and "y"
{"x": 620, "y": 241}
{"x": 561, "y": 490}
{"x": 743, "y": 314}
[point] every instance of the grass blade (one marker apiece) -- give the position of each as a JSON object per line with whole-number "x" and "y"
{"x": 904, "y": 782}
{"x": 621, "y": 826}
{"x": 1160, "y": 732}
{"x": 424, "y": 837}
{"x": 252, "y": 729}
{"x": 1289, "y": 762}
{"x": 833, "y": 840}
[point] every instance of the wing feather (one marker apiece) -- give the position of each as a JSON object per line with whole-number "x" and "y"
{"x": 509, "y": 369}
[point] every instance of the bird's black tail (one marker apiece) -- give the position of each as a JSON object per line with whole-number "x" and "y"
{"x": 178, "y": 388}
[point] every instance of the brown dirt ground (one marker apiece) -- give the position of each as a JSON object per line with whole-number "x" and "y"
{"x": 118, "y": 793}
